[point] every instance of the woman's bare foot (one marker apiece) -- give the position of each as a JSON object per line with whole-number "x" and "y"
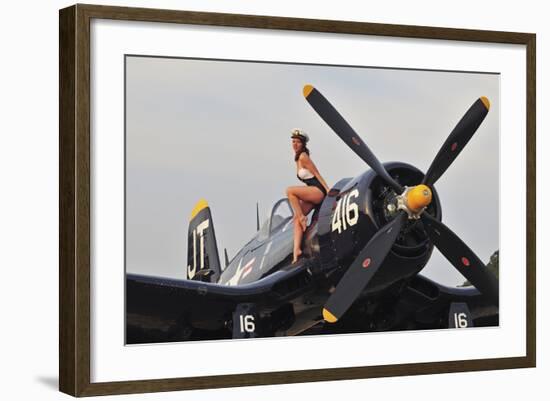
{"x": 297, "y": 254}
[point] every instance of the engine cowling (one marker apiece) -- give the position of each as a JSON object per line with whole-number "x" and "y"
{"x": 355, "y": 209}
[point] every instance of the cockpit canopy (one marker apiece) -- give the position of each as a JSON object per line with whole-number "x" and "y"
{"x": 280, "y": 213}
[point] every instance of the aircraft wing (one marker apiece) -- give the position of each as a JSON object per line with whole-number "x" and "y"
{"x": 163, "y": 309}
{"x": 422, "y": 304}
{"x": 431, "y": 299}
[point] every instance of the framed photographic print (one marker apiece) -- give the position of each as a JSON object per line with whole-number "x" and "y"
{"x": 236, "y": 189}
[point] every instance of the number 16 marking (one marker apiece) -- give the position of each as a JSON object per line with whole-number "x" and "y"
{"x": 247, "y": 323}
{"x": 461, "y": 320}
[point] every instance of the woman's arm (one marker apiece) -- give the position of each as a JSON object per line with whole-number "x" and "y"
{"x": 308, "y": 163}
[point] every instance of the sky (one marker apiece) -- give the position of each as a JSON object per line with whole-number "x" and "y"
{"x": 220, "y": 130}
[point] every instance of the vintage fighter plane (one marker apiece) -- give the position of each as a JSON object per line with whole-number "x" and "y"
{"x": 365, "y": 246}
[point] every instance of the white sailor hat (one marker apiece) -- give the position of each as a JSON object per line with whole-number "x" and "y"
{"x": 300, "y": 134}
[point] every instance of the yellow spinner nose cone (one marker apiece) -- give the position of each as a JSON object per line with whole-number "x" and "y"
{"x": 419, "y": 197}
{"x": 329, "y": 317}
{"x": 307, "y": 90}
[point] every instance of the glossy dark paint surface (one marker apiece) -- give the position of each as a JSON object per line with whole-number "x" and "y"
{"x": 290, "y": 297}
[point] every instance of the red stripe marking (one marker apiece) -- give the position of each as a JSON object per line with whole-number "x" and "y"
{"x": 355, "y": 141}
{"x": 465, "y": 261}
{"x": 366, "y": 263}
{"x": 245, "y": 273}
{"x": 454, "y": 146}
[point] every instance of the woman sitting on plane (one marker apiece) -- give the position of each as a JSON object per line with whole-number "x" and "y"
{"x": 304, "y": 198}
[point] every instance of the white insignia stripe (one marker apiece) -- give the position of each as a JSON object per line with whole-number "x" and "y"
{"x": 246, "y": 271}
{"x": 286, "y": 225}
{"x": 237, "y": 276}
{"x": 267, "y": 248}
{"x": 230, "y": 281}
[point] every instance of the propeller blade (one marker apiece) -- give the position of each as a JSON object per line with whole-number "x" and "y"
{"x": 457, "y": 140}
{"x": 340, "y": 126}
{"x": 362, "y": 269}
{"x": 462, "y": 257}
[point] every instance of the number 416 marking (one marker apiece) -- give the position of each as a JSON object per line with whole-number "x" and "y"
{"x": 346, "y": 213}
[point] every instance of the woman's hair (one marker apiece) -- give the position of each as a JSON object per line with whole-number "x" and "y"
{"x": 303, "y": 149}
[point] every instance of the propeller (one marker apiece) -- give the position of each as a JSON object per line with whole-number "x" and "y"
{"x": 411, "y": 203}
{"x": 457, "y": 140}
{"x": 363, "y": 268}
{"x": 461, "y": 257}
{"x": 340, "y": 126}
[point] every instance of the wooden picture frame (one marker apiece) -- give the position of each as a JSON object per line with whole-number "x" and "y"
{"x": 74, "y": 199}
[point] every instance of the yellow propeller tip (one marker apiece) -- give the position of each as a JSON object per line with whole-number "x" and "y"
{"x": 486, "y": 102}
{"x": 307, "y": 90}
{"x": 201, "y": 204}
{"x": 329, "y": 317}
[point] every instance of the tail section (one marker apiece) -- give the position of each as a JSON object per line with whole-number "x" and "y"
{"x": 203, "y": 262}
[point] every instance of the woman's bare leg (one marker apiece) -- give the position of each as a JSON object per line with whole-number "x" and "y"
{"x": 305, "y": 207}
{"x": 295, "y": 204}
{"x": 298, "y": 233}
{"x": 300, "y": 193}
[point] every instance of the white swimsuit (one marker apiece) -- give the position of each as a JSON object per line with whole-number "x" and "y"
{"x": 305, "y": 174}
{"x": 309, "y": 179}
